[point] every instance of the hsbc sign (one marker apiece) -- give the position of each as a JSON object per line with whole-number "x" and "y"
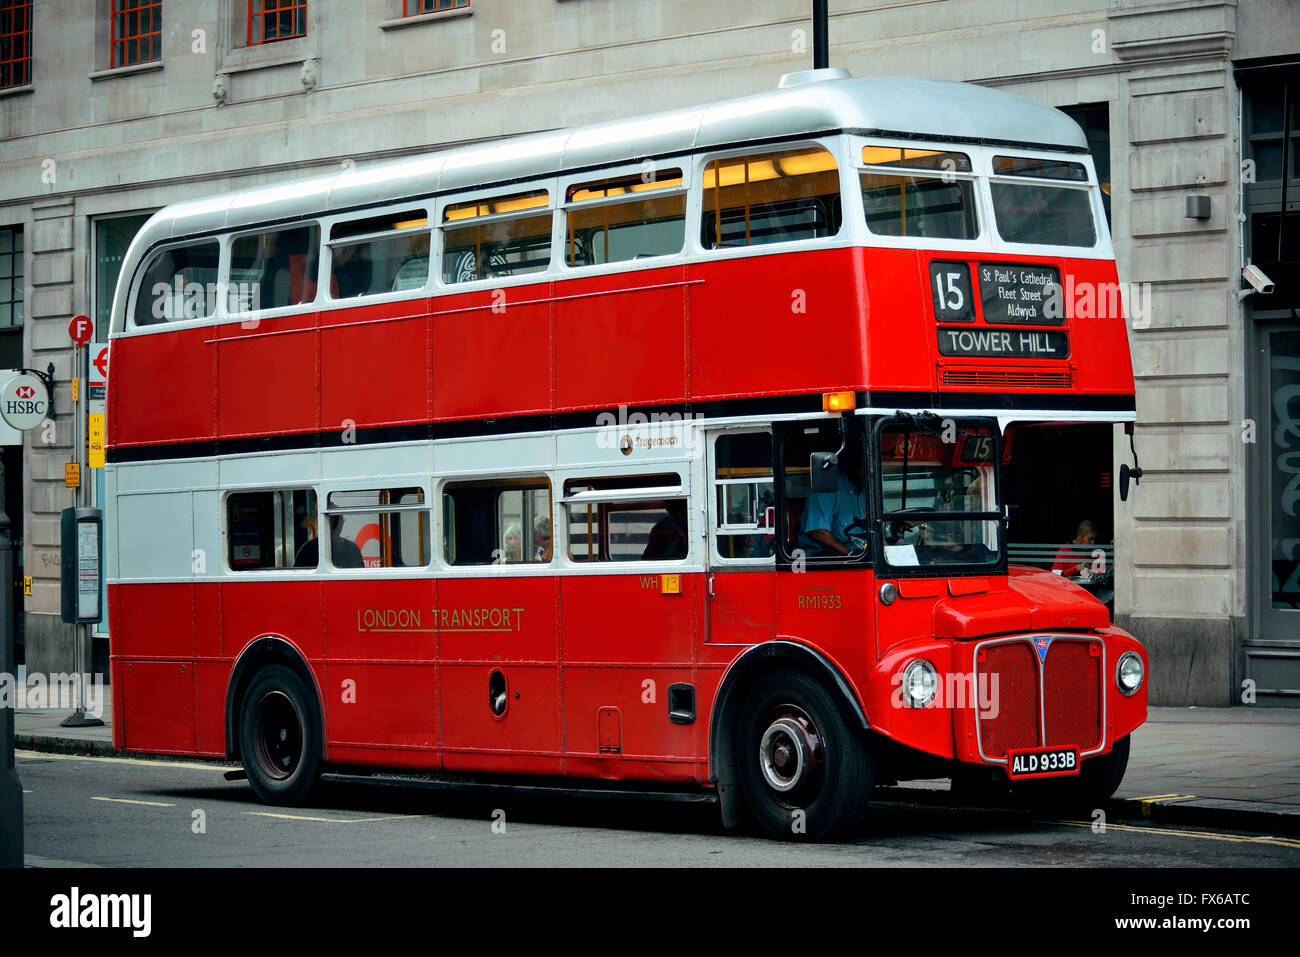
{"x": 24, "y": 402}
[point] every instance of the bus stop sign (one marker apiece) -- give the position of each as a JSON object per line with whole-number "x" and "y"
{"x": 24, "y": 401}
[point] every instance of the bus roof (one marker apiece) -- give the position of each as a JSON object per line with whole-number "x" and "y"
{"x": 808, "y": 103}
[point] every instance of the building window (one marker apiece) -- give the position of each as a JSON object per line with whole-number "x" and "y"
{"x": 271, "y": 20}
{"x": 135, "y": 32}
{"x": 15, "y": 43}
{"x": 11, "y": 277}
{"x": 413, "y": 8}
{"x": 1094, "y": 120}
{"x": 112, "y": 237}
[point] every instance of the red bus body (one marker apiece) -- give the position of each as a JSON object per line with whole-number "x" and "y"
{"x": 400, "y": 664}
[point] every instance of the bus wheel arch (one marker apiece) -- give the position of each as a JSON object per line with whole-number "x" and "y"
{"x": 264, "y": 653}
{"x": 749, "y": 672}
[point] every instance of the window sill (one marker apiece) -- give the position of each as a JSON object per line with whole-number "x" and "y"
{"x": 400, "y": 22}
{"x": 18, "y": 90}
{"x": 98, "y": 75}
{"x": 270, "y": 54}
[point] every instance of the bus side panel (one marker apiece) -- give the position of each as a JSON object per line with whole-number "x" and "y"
{"x": 137, "y": 417}
{"x": 161, "y": 717}
{"x": 158, "y": 620}
{"x": 492, "y": 353}
{"x": 381, "y": 683}
{"x": 211, "y": 679}
{"x": 287, "y": 609}
{"x": 620, "y": 340}
{"x": 268, "y": 373}
{"x": 506, "y": 624}
{"x": 900, "y": 328}
{"x": 624, "y": 643}
{"x": 356, "y": 360}
{"x": 789, "y": 323}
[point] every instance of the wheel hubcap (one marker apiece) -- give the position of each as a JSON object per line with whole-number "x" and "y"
{"x": 279, "y": 735}
{"x": 790, "y": 752}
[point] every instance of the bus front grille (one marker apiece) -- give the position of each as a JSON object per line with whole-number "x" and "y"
{"x": 1037, "y": 702}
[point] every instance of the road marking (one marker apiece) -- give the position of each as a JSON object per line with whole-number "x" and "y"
{"x": 335, "y": 820}
{"x": 1202, "y": 835}
{"x": 129, "y": 801}
{"x": 1151, "y": 797}
{"x": 140, "y": 761}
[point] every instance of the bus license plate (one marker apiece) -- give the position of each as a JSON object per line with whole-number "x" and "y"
{"x": 1037, "y": 764}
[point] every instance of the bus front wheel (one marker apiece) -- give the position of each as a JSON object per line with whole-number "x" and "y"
{"x": 278, "y": 737}
{"x": 803, "y": 773}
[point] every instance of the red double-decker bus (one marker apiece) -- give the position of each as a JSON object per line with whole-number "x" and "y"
{"x": 670, "y": 450}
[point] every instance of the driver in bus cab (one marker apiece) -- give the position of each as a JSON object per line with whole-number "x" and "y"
{"x": 827, "y": 514}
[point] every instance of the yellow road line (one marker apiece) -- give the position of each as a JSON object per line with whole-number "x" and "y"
{"x": 1202, "y": 835}
{"x": 334, "y": 820}
{"x": 141, "y": 761}
{"x": 1149, "y": 797}
{"x": 129, "y": 801}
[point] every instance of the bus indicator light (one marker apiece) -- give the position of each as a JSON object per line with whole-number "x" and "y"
{"x": 838, "y": 402}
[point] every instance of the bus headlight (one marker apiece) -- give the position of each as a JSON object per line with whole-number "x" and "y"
{"x": 920, "y": 683}
{"x": 1129, "y": 673}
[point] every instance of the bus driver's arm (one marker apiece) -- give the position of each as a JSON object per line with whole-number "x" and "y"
{"x": 826, "y": 540}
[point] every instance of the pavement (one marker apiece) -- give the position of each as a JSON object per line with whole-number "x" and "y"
{"x": 1234, "y": 768}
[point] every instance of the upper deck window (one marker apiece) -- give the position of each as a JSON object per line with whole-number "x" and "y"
{"x": 1037, "y": 211}
{"x": 915, "y": 192}
{"x": 379, "y": 254}
{"x": 770, "y": 198}
{"x": 502, "y": 236}
{"x": 180, "y": 282}
{"x": 273, "y": 269}
{"x": 627, "y": 217}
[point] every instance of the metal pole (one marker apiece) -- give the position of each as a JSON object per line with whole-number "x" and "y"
{"x": 11, "y": 789}
{"x": 821, "y": 39}
{"x": 82, "y": 653}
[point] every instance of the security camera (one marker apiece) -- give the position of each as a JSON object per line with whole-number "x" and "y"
{"x": 1258, "y": 280}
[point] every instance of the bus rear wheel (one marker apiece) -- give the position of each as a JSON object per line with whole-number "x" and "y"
{"x": 803, "y": 773}
{"x": 278, "y": 737}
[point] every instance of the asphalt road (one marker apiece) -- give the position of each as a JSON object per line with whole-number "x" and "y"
{"x": 113, "y": 812}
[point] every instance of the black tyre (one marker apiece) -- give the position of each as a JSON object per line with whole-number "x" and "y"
{"x": 803, "y": 773}
{"x": 279, "y": 736}
{"x": 1096, "y": 781}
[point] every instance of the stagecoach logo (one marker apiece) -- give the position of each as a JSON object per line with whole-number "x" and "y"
{"x": 625, "y": 445}
{"x": 1042, "y": 644}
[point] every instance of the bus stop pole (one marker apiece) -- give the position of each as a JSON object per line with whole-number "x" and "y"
{"x": 11, "y": 789}
{"x": 83, "y": 655}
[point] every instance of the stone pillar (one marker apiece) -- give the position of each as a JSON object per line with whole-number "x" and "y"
{"x": 49, "y": 642}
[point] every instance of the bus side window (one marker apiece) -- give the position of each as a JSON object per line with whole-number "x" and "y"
{"x": 379, "y": 528}
{"x": 627, "y": 518}
{"x": 745, "y": 495}
{"x": 271, "y": 529}
{"x": 379, "y": 254}
{"x": 501, "y": 236}
{"x": 770, "y": 198}
{"x": 179, "y": 283}
{"x": 625, "y": 218}
{"x": 274, "y": 269}
{"x": 497, "y": 522}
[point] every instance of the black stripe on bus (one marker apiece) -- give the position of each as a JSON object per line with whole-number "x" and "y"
{"x": 810, "y": 404}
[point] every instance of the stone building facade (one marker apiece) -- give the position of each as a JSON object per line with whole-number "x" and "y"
{"x": 1178, "y": 95}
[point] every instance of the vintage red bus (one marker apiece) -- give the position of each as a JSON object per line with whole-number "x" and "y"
{"x": 669, "y": 450}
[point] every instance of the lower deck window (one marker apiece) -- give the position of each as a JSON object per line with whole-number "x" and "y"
{"x": 269, "y": 529}
{"x": 498, "y": 522}
{"x": 627, "y": 519}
